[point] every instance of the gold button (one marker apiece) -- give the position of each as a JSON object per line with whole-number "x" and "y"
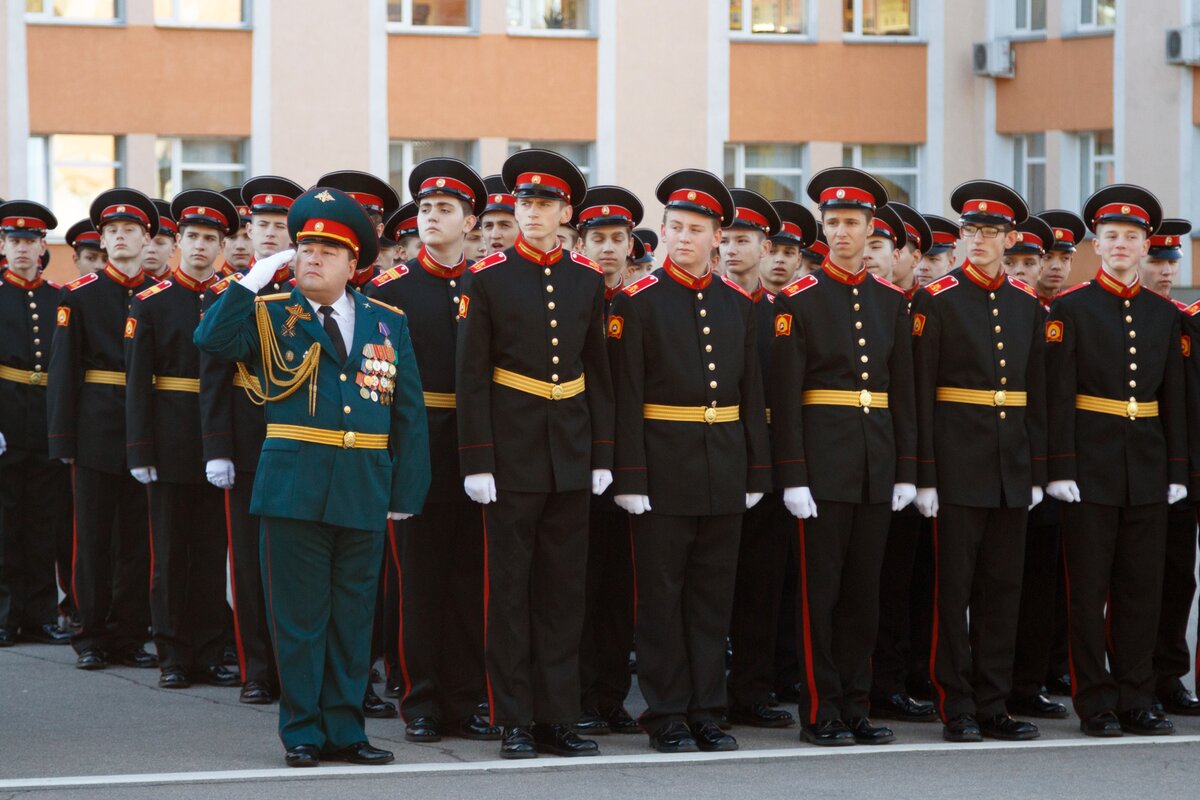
{"x": 346, "y": 409}
{"x": 865, "y": 376}
{"x": 858, "y": 325}
{"x": 854, "y": 292}
{"x": 202, "y": 295}
{"x": 1133, "y": 367}
{"x": 554, "y": 377}
{"x": 1003, "y": 415}
{"x": 549, "y": 288}
{"x": 995, "y": 312}
{"x": 991, "y": 295}
{"x": 453, "y": 284}
{"x": 553, "y": 323}
{"x": 1003, "y": 381}
{"x": 554, "y": 359}
{"x": 38, "y": 354}
{"x": 707, "y": 330}
{"x": 547, "y": 271}
{"x": 999, "y": 345}
{"x": 29, "y": 293}
{"x": 128, "y": 292}
{"x": 33, "y": 317}
{"x": 1133, "y": 384}
{"x": 712, "y": 384}
{"x": 857, "y": 307}
{"x": 37, "y": 341}
{"x": 703, "y": 313}
{"x": 699, "y": 295}
{"x": 1133, "y": 334}
{"x": 33, "y": 305}
{"x": 454, "y": 299}
{"x": 349, "y": 439}
{"x": 1003, "y": 362}
{"x": 862, "y": 342}
{"x": 996, "y": 329}
{"x": 1128, "y": 318}
{"x": 708, "y": 348}
{"x": 342, "y": 377}
{"x": 712, "y": 367}
{"x": 554, "y": 341}
{"x": 1127, "y": 304}
{"x": 550, "y": 305}
{"x": 35, "y": 328}
{"x": 1132, "y": 351}
{"x": 863, "y": 358}
{"x": 37, "y": 367}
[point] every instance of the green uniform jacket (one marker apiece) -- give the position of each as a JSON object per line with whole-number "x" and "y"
{"x": 349, "y": 487}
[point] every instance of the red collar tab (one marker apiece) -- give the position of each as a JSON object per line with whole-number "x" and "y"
{"x": 1064, "y": 235}
{"x": 992, "y": 207}
{"x": 279, "y": 200}
{"x": 368, "y": 201}
{"x": 21, "y": 283}
{"x": 541, "y": 181}
{"x": 914, "y": 236}
{"x": 610, "y": 293}
{"x": 840, "y": 194}
{"x": 531, "y": 253}
{"x": 843, "y": 276}
{"x": 1114, "y": 286}
{"x": 188, "y": 282}
{"x": 204, "y": 214}
{"x": 316, "y": 228}
{"x": 123, "y": 211}
{"x": 941, "y": 237}
{"x": 685, "y": 278}
{"x": 444, "y": 185}
{"x": 883, "y": 229}
{"x": 759, "y": 293}
{"x": 1045, "y": 299}
{"x": 1166, "y": 241}
{"x": 362, "y": 277}
{"x": 437, "y": 269}
{"x": 981, "y": 278}
{"x": 751, "y": 217}
{"x": 694, "y": 200}
{"x": 117, "y": 276}
{"x": 909, "y": 294}
{"x": 25, "y": 224}
{"x": 604, "y": 212}
{"x": 1122, "y": 210}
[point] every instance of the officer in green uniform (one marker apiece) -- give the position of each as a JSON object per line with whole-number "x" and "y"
{"x": 346, "y": 449}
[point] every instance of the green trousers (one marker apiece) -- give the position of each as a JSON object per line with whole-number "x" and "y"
{"x": 320, "y": 582}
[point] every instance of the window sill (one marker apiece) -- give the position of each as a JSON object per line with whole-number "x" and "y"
{"x": 81, "y": 23}
{"x": 858, "y": 38}
{"x": 203, "y": 26}
{"x": 552, "y": 34}
{"x": 399, "y": 29}
{"x": 1088, "y": 33}
{"x": 1026, "y": 36}
{"x": 772, "y": 38}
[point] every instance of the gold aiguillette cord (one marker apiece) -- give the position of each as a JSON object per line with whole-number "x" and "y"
{"x": 273, "y": 362}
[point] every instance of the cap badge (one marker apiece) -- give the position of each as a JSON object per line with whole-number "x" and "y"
{"x": 841, "y": 194}
{"x": 441, "y": 182}
{"x": 604, "y": 211}
{"x": 537, "y": 178}
{"x": 120, "y": 209}
{"x": 495, "y": 198}
{"x": 983, "y": 206}
{"x": 320, "y": 226}
{"x": 1124, "y": 209}
{"x": 325, "y": 197}
{"x": 200, "y": 211}
{"x": 21, "y": 223}
{"x": 270, "y": 198}
{"x": 1058, "y": 234}
{"x": 691, "y": 195}
{"x": 1170, "y": 239}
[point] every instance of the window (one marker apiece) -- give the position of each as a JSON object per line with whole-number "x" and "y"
{"x": 73, "y": 10}
{"x": 895, "y": 165}
{"x": 1097, "y": 162}
{"x": 1030, "y": 16}
{"x": 787, "y": 17}
{"x": 541, "y": 16}
{"x": 67, "y": 171}
{"x": 1029, "y": 173}
{"x": 200, "y": 13}
{"x": 880, "y": 17}
{"x": 773, "y": 170}
{"x": 1097, "y": 13}
{"x": 403, "y": 155}
{"x": 200, "y": 164}
{"x": 429, "y": 15}
{"x": 578, "y": 152}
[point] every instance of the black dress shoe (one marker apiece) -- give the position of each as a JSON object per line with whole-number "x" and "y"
{"x": 1104, "y": 724}
{"x": 592, "y": 723}
{"x": 829, "y": 733}
{"x": 303, "y": 755}
{"x": 1005, "y": 728}
{"x": 478, "y": 729}
{"x": 561, "y": 740}
{"x": 904, "y": 708}
{"x": 217, "y": 675}
{"x": 361, "y": 753}
{"x": 376, "y": 707}
{"x": 8, "y": 637}
{"x": 963, "y": 728}
{"x": 1145, "y": 722}
{"x": 256, "y": 693}
{"x": 49, "y": 633}
{"x": 422, "y": 730}
{"x": 91, "y": 659}
{"x": 1037, "y": 705}
{"x": 793, "y": 693}
{"x": 673, "y": 737}
{"x": 137, "y": 657}
{"x": 710, "y": 738}
{"x": 866, "y": 733}
{"x": 1182, "y": 702}
{"x": 760, "y": 715}
{"x": 173, "y": 678}
{"x": 518, "y": 743}
{"x": 1059, "y": 686}
{"x": 619, "y": 721}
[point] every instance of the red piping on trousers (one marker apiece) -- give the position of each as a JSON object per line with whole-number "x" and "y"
{"x": 933, "y": 643}
{"x": 237, "y": 628}
{"x": 814, "y": 698}
{"x": 403, "y": 661}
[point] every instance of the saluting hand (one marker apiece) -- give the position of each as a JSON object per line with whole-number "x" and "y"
{"x": 262, "y": 271}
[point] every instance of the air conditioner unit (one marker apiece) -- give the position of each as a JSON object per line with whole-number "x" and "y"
{"x": 994, "y": 59}
{"x": 1183, "y": 45}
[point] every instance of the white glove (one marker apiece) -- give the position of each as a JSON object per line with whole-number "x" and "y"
{"x": 144, "y": 474}
{"x": 601, "y": 480}
{"x": 1066, "y": 491}
{"x": 262, "y": 271}
{"x": 3, "y": 444}
{"x": 1175, "y": 492}
{"x": 481, "y": 487}
{"x": 799, "y": 502}
{"x": 902, "y": 495}
{"x": 752, "y": 499}
{"x": 399, "y": 516}
{"x": 633, "y": 503}
{"x": 926, "y": 502}
{"x": 219, "y": 472}
{"x": 1038, "y": 496}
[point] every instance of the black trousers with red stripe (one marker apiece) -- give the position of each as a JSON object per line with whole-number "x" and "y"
{"x": 536, "y": 563}
{"x": 256, "y": 658}
{"x": 841, "y": 554}
{"x": 893, "y": 642}
{"x": 34, "y": 509}
{"x": 1171, "y": 653}
{"x": 438, "y": 559}
{"x": 608, "y": 616}
{"x": 1113, "y": 559}
{"x": 1036, "y": 621}
{"x": 979, "y": 554}
{"x": 111, "y": 563}
{"x": 757, "y": 597}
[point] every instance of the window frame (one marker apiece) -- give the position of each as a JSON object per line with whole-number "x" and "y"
{"x": 745, "y": 35}
{"x": 551, "y": 144}
{"x": 1093, "y": 27}
{"x": 45, "y": 179}
{"x": 44, "y": 18}
{"x": 174, "y": 21}
{"x": 407, "y": 162}
{"x": 524, "y": 29}
{"x": 1088, "y": 159}
{"x": 857, "y": 36}
{"x": 741, "y": 171}
{"x": 407, "y": 27}
{"x": 884, "y": 172}
{"x": 1027, "y": 30}
{"x": 1022, "y": 161}
{"x": 177, "y": 163}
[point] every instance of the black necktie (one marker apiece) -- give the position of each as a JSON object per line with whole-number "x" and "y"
{"x": 334, "y": 332}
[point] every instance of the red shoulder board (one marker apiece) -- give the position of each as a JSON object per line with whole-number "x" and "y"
{"x": 490, "y": 261}
{"x": 1179, "y": 305}
{"x": 83, "y": 280}
{"x": 638, "y": 286}
{"x": 799, "y": 285}
{"x": 223, "y": 284}
{"x": 732, "y": 283}
{"x": 54, "y": 285}
{"x": 580, "y": 258}
{"x": 1024, "y": 287}
{"x": 1074, "y": 288}
{"x": 887, "y": 283}
{"x": 942, "y": 284}
{"x": 1193, "y": 309}
{"x": 389, "y": 276}
{"x": 153, "y": 290}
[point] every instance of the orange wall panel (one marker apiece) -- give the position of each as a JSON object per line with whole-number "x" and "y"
{"x": 153, "y": 67}
{"x": 828, "y": 92}
{"x": 1060, "y": 84}
{"x": 467, "y": 87}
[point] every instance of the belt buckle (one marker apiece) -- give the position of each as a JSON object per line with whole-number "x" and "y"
{"x": 1131, "y": 408}
{"x": 349, "y": 438}
{"x": 710, "y": 415}
{"x": 864, "y": 398}
{"x": 557, "y": 392}
{"x": 37, "y": 379}
{"x": 999, "y": 398}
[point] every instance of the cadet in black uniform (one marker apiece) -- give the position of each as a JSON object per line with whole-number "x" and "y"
{"x": 239, "y": 252}
{"x": 379, "y": 200}
{"x": 86, "y": 408}
{"x": 162, "y": 421}
{"x": 533, "y": 369}
{"x": 88, "y": 255}
{"x": 844, "y": 435}
{"x": 497, "y": 222}
{"x": 1117, "y": 458}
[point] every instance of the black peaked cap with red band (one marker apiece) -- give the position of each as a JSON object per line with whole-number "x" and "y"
{"x": 983, "y": 202}
{"x": 83, "y": 234}
{"x": 498, "y": 196}
{"x": 124, "y": 205}
{"x": 1068, "y": 229}
{"x": 649, "y": 240}
{"x": 25, "y": 219}
{"x": 698, "y": 191}
{"x": 605, "y": 206}
{"x": 167, "y": 226}
{"x": 270, "y": 194}
{"x": 448, "y": 176}
{"x": 1034, "y": 235}
{"x": 234, "y": 195}
{"x": 916, "y": 228}
{"x": 752, "y": 210}
{"x": 887, "y": 223}
{"x": 205, "y": 207}
{"x": 817, "y": 249}
{"x": 326, "y": 214}
{"x": 847, "y": 187}
{"x": 372, "y": 193}
{"x": 402, "y": 222}
{"x": 543, "y": 173}
{"x": 943, "y": 234}
{"x": 1123, "y": 202}
{"x": 797, "y": 225}
{"x": 1167, "y": 241}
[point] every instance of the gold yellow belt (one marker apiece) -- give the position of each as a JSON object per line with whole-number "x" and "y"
{"x": 107, "y": 376}
{"x": 709, "y": 414}
{"x": 981, "y": 397}
{"x": 845, "y": 397}
{"x": 344, "y": 439}
{"x": 1118, "y": 408}
{"x": 243, "y": 383}
{"x": 543, "y": 389}
{"x": 164, "y": 383}
{"x": 440, "y": 400}
{"x": 768, "y": 416}
{"x": 22, "y": 376}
